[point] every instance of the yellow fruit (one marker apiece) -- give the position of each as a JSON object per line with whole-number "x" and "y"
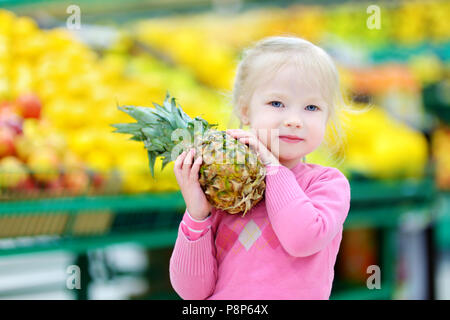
{"x": 44, "y": 164}
{"x": 72, "y": 162}
{"x": 25, "y": 145}
{"x": 12, "y": 172}
{"x": 99, "y": 160}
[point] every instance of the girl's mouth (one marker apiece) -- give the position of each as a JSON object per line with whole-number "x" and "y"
{"x": 290, "y": 139}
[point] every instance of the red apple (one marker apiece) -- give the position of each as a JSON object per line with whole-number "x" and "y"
{"x": 7, "y": 136}
{"x": 30, "y": 105}
{"x": 56, "y": 187}
{"x": 76, "y": 181}
{"x": 98, "y": 180}
{"x": 27, "y": 185}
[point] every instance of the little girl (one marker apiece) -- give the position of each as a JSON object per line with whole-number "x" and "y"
{"x": 286, "y": 246}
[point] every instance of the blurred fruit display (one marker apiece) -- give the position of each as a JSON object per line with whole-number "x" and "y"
{"x": 207, "y": 44}
{"x": 34, "y": 157}
{"x": 383, "y": 148}
{"x": 58, "y": 96}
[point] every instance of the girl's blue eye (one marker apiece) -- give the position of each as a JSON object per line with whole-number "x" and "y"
{"x": 278, "y": 104}
{"x": 312, "y": 106}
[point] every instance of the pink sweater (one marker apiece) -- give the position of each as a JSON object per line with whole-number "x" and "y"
{"x": 284, "y": 248}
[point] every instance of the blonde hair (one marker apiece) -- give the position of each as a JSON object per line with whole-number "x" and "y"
{"x": 269, "y": 54}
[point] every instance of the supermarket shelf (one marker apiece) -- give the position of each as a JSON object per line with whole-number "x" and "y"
{"x": 392, "y": 191}
{"x": 386, "y": 216}
{"x": 384, "y": 204}
{"x": 84, "y": 223}
{"x": 152, "y": 219}
{"x": 393, "y": 52}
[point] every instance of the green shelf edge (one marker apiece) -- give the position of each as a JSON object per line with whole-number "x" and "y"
{"x": 150, "y": 240}
{"x": 153, "y": 201}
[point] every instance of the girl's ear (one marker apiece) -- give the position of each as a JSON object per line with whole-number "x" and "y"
{"x": 244, "y": 115}
{"x": 244, "y": 112}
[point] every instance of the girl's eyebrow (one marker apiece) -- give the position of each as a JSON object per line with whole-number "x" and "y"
{"x": 276, "y": 94}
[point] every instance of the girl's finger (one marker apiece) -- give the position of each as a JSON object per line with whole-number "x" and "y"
{"x": 196, "y": 168}
{"x": 177, "y": 168}
{"x": 252, "y": 142}
{"x": 237, "y": 132}
{"x": 179, "y": 161}
{"x": 187, "y": 163}
{"x": 240, "y": 134}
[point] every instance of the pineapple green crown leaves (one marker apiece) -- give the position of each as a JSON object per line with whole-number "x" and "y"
{"x": 155, "y": 126}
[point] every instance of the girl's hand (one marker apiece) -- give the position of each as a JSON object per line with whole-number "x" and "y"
{"x": 252, "y": 140}
{"x": 186, "y": 172}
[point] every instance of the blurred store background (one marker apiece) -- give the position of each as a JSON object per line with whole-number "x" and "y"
{"x": 78, "y": 200}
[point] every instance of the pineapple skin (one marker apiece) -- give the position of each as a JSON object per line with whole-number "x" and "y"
{"x": 231, "y": 175}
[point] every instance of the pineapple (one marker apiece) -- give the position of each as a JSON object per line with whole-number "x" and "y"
{"x": 231, "y": 175}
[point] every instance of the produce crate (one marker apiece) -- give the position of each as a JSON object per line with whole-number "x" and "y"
{"x": 83, "y": 223}
{"x": 89, "y": 222}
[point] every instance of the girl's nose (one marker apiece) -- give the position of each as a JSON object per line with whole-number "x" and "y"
{"x": 293, "y": 123}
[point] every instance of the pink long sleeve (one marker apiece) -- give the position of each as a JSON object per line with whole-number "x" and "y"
{"x": 194, "y": 229}
{"x": 306, "y": 221}
{"x": 193, "y": 266}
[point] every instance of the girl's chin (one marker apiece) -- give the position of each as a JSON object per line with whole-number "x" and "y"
{"x": 289, "y": 157}
{"x": 286, "y": 155}
{"x": 290, "y": 164}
